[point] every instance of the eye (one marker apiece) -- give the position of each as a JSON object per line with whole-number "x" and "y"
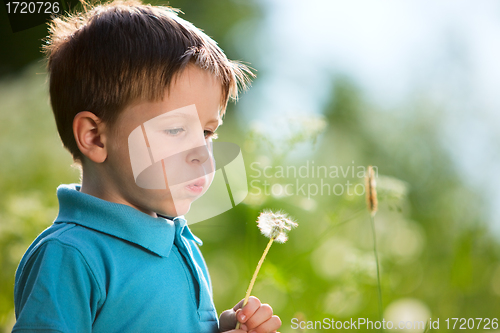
{"x": 209, "y": 134}
{"x": 174, "y": 131}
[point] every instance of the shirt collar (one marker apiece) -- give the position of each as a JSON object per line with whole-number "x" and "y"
{"x": 155, "y": 234}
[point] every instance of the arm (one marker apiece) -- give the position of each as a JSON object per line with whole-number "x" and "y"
{"x": 56, "y": 291}
{"x": 254, "y": 317}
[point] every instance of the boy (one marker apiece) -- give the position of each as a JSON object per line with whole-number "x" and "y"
{"x": 128, "y": 79}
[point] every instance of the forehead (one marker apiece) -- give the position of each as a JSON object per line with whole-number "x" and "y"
{"x": 192, "y": 86}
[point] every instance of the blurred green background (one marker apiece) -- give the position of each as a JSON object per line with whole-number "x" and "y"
{"x": 439, "y": 249}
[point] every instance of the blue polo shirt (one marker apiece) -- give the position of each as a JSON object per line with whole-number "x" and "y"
{"x": 107, "y": 267}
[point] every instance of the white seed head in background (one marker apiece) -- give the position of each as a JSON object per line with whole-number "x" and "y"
{"x": 275, "y": 225}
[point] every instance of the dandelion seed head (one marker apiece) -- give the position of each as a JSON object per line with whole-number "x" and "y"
{"x": 275, "y": 225}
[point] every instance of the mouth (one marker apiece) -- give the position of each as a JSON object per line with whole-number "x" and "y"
{"x": 196, "y": 186}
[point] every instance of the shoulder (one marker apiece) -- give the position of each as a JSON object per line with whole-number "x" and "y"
{"x": 56, "y": 288}
{"x": 77, "y": 242}
{"x": 61, "y": 250}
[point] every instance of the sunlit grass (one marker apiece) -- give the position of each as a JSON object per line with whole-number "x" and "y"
{"x": 32, "y": 164}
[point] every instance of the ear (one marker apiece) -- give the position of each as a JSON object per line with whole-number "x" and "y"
{"x": 90, "y": 137}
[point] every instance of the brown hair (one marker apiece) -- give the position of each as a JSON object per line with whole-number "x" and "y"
{"x": 105, "y": 57}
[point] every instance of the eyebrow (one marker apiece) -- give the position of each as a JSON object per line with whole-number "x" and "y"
{"x": 170, "y": 114}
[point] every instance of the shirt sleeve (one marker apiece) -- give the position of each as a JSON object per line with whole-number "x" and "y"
{"x": 56, "y": 291}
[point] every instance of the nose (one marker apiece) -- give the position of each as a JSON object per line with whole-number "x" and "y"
{"x": 198, "y": 155}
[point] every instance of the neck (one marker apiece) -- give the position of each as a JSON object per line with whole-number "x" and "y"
{"x": 93, "y": 183}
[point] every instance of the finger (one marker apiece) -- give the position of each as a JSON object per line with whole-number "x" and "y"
{"x": 248, "y": 310}
{"x": 263, "y": 314}
{"x": 238, "y": 305}
{"x": 236, "y": 331}
{"x": 242, "y": 326}
{"x": 227, "y": 320}
{"x": 270, "y": 325}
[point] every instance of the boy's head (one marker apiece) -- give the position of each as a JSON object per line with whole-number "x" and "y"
{"x": 118, "y": 67}
{"x": 111, "y": 55}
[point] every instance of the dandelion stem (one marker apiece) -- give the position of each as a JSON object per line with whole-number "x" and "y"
{"x": 372, "y": 218}
{"x": 254, "y": 277}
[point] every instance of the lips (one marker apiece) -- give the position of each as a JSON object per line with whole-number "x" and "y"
{"x": 197, "y": 185}
{"x": 199, "y": 182}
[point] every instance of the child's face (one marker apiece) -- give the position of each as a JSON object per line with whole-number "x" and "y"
{"x": 159, "y": 153}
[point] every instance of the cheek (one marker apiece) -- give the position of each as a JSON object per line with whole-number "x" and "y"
{"x": 210, "y": 178}
{"x": 119, "y": 157}
{"x": 165, "y": 147}
{"x": 162, "y": 147}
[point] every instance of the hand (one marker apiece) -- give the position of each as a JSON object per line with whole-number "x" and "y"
{"x": 254, "y": 317}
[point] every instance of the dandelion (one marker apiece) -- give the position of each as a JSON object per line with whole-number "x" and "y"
{"x": 372, "y": 204}
{"x": 275, "y": 226}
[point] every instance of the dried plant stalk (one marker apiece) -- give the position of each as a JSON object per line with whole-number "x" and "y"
{"x": 371, "y": 191}
{"x": 372, "y": 204}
